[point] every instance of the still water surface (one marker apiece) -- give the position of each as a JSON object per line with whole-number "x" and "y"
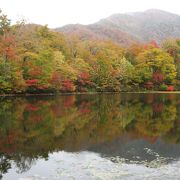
{"x": 107, "y": 136}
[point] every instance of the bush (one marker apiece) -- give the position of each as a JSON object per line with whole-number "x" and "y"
{"x": 68, "y": 86}
{"x": 149, "y": 85}
{"x": 163, "y": 87}
{"x": 170, "y": 88}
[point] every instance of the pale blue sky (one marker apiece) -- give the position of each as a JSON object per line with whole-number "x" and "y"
{"x": 57, "y": 13}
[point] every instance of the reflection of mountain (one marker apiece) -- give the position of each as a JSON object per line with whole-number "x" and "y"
{"x": 137, "y": 149}
{"x": 31, "y": 128}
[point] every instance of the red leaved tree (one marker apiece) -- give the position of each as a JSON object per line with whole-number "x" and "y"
{"x": 84, "y": 81}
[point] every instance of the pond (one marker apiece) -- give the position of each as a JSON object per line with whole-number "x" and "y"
{"x": 95, "y": 136}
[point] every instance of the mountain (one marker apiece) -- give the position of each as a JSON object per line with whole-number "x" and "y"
{"x": 129, "y": 28}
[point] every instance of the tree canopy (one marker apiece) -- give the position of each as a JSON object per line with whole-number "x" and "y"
{"x": 35, "y": 59}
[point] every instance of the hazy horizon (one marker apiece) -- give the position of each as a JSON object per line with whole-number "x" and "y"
{"x": 59, "y": 13}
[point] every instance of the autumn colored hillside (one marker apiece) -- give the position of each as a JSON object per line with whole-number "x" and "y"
{"x": 35, "y": 59}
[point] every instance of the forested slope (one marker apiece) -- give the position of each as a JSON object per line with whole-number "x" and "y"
{"x": 35, "y": 59}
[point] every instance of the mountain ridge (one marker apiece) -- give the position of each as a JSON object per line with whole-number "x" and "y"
{"x": 128, "y": 28}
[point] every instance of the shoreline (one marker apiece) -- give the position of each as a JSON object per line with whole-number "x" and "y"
{"x": 89, "y": 93}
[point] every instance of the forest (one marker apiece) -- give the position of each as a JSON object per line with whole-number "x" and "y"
{"x": 36, "y": 59}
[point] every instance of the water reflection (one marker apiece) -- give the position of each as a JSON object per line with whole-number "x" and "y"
{"x": 133, "y": 127}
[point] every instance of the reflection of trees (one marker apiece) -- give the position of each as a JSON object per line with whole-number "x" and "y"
{"x": 32, "y": 128}
{"x": 4, "y": 164}
{"x": 23, "y": 163}
{"x": 153, "y": 123}
{"x": 173, "y": 136}
{"x": 155, "y": 116}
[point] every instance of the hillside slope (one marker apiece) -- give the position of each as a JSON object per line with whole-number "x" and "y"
{"x": 129, "y": 28}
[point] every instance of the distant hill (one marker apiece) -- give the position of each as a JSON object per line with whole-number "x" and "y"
{"x": 129, "y": 28}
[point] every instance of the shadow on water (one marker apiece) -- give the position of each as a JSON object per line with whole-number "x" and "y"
{"x": 132, "y": 127}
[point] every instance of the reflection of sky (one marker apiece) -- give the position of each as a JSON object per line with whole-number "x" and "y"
{"x": 87, "y": 165}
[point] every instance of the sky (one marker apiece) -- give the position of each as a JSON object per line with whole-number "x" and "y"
{"x": 57, "y": 13}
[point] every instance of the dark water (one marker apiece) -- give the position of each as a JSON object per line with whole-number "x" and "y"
{"x": 119, "y": 136}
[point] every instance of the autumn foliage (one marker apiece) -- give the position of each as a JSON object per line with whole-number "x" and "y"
{"x": 37, "y": 60}
{"x": 68, "y": 86}
{"x": 170, "y": 88}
